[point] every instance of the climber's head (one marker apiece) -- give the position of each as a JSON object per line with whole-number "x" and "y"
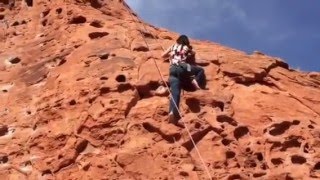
{"x": 184, "y": 40}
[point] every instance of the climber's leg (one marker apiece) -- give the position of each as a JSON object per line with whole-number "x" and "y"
{"x": 199, "y": 76}
{"x": 175, "y": 88}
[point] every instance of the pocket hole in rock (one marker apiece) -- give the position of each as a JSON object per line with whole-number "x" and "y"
{"x": 1, "y": 16}
{"x": 114, "y": 101}
{"x": 81, "y": 146}
{"x": 296, "y": 159}
{"x": 310, "y": 126}
{"x": 259, "y": 156}
{"x": 293, "y": 142}
{"x": 35, "y": 127}
{"x": 29, "y": 3}
{"x": 220, "y": 105}
{"x": 16, "y": 23}
{"x": 77, "y": 45}
{"x": 289, "y": 177}
{"x": 275, "y": 145}
{"x": 46, "y": 172}
{"x": 45, "y": 13}
{"x": 15, "y": 60}
{"x": 227, "y": 119}
{"x": 240, "y": 132}
{"x": 61, "y": 61}
{"x": 95, "y": 35}
{"x": 72, "y": 102}
{"x": 104, "y": 56}
{"x": 4, "y": 159}
{"x": 91, "y": 100}
{"x": 256, "y": 175}
{"x": 226, "y": 142}
{"x": 78, "y": 20}
{"x": 317, "y": 166}
{"x": 193, "y": 104}
{"x": 197, "y": 125}
{"x": 276, "y": 161}
{"x": 80, "y": 79}
{"x": 59, "y": 10}
{"x": 295, "y": 122}
{"x": 97, "y": 24}
{"x": 146, "y": 34}
{"x": 141, "y": 48}
{"x": 27, "y": 163}
{"x": 234, "y": 177}
{"x": 95, "y": 4}
{"x": 149, "y": 127}
{"x": 248, "y": 150}
{"x": 230, "y": 154}
{"x": 4, "y": 90}
{"x": 165, "y": 156}
{"x": 44, "y": 22}
{"x": 280, "y": 128}
{"x": 104, "y": 78}
{"x": 121, "y": 78}
{"x": 104, "y": 90}
{"x": 4, "y": 130}
{"x": 125, "y": 87}
{"x": 183, "y": 173}
{"x": 122, "y": 142}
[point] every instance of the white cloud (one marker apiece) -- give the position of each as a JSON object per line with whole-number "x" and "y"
{"x": 193, "y": 17}
{"x": 212, "y": 13}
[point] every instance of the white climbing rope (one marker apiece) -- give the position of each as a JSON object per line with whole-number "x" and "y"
{"x": 171, "y": 96}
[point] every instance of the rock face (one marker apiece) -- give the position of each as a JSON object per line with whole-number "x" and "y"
{"x": 77, "y": 101}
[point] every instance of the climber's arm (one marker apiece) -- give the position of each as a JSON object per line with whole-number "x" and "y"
{"x": 191, "y": 51}
{"x": 166, "y": 53}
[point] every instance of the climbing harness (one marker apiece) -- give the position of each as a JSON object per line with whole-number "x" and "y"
{"x": 171, "y": 96}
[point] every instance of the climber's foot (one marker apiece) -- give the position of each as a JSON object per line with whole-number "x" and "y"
{"x": 172, "y": 119}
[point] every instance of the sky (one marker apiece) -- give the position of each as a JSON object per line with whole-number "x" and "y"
{"x": 289, "y": 29}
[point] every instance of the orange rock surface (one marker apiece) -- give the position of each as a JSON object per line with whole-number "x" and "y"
{"x": 77, "y": 101}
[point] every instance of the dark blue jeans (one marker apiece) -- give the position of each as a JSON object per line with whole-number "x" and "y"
{"x": 178, "y": 79}
{"x": 175, "y": 87}
{"x": 175, "y": 77}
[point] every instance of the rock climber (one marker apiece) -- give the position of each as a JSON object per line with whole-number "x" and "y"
{"x": 182, "y": 73}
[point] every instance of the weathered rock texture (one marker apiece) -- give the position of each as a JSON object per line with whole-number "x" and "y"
{"x": 77, "y": 101}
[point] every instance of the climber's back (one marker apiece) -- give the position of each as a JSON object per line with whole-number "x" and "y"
{"x": 180, "y": 50}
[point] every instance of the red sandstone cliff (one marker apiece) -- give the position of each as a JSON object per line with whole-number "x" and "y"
{"x": 77, "y": 102}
